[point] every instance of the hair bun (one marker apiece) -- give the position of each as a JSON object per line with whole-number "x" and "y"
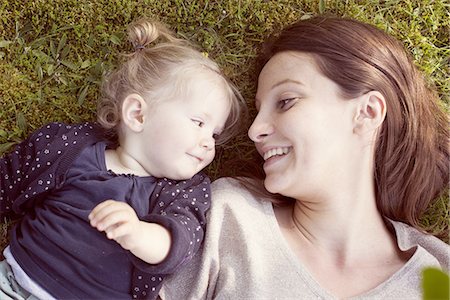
{"x": 143, "y": 32}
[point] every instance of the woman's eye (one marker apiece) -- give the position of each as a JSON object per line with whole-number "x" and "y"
{"x": 285, "y": 104}
{"x": 198, "y": 122}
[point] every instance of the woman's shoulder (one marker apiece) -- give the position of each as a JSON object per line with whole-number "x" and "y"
{"x": 231, "y": 191}
{"x": 226, "y": 183}
{"x": 230, "y": 197}
{"x": 409, "y": 237}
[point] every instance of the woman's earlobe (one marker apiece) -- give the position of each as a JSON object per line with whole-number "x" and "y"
{"x": 371, "y": 112}
{"x": 134, "y": 108}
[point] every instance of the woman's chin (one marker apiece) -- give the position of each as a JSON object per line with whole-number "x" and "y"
{"x": 273, "y": 186}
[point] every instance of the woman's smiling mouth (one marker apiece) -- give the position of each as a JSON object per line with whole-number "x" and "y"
{"x": 276, "y": 152}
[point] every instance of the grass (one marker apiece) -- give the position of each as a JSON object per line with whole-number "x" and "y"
{"x": 54, "y": 53}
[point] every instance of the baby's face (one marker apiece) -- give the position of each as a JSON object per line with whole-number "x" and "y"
{"x": 179, "y": 135}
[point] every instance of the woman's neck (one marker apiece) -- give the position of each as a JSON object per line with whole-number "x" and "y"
{"x": 346, "y": 225}
{"x": 338, "y": 230}
{"x": 343, "y": 242}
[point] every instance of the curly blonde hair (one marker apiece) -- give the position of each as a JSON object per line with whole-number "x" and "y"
{"x": 161, "y": 67}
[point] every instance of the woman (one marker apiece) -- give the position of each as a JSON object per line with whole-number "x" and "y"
{"x": 355, "y": 148}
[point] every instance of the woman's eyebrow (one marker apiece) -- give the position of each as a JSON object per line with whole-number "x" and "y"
{"x": 287, "y": 81}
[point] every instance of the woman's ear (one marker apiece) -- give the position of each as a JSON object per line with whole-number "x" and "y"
{"x": 134, "y": 109}
{"x": 371, "y": 112}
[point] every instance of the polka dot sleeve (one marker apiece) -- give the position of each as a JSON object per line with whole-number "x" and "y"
{"x": 181, "y": 207}
{"x": 30, "y": 170}
{"x": 17, "y": 167}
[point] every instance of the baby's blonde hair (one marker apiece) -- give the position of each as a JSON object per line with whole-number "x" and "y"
{"x": 160, "y": 68}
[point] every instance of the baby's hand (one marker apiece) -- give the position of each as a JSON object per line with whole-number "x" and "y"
{"x": 119, "y": 221}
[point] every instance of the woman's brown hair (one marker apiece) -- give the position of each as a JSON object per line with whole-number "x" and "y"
{"x": 412, "y": 155}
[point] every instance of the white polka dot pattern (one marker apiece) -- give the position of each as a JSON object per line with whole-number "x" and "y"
{"x": 181, "y": 207}
{"x": 37, "y": 165}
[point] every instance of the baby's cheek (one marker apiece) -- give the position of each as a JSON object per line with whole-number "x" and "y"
{"x": 210, "y": 157}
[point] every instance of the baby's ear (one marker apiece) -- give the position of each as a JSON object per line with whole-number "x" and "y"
{"x": 371, "y": 112}
{"x": 133, "y": 112}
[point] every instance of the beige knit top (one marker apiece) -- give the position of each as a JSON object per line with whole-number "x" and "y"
{"x": 245, "y": 256}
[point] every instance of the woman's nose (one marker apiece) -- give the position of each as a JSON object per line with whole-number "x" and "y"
{"x": 259, "y": 129}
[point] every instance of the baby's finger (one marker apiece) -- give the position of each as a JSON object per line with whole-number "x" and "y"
{"x": 122, "y": 234}
{"x": 102, "y": 210}
{"x": 118, "y": 230}
{"x": 114, "y": 218}
{"x": 98, "y": 208}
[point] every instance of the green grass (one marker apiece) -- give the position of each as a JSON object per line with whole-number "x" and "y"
{"x": 53, "y": 53}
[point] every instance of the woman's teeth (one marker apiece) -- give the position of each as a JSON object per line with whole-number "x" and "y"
{"x": 275, "y": 151}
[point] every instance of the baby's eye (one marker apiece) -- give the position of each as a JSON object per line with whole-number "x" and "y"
{"x": 199, "y": 123}
{"x": 216, "y": 136}
{"x": 285, "y": 104}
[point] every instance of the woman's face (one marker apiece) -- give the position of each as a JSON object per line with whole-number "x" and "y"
{"x": 303, "y": 129}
